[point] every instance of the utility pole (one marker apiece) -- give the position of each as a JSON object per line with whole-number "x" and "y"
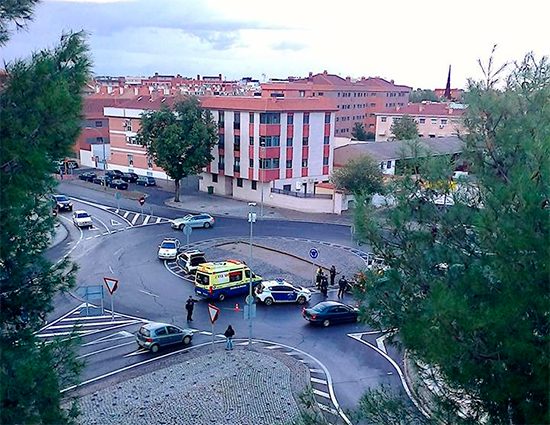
{"x": 250, "y": 298}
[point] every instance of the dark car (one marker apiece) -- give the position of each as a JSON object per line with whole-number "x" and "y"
{"x": 87, "y": 176}
{"x": 189, "y": 261}
{"x": 327, "y": 312}
{"x": 129, "y": 177}
{"x": 114, "y": 174}
{"x": 62, "y": 203}
{"x": 146, "y": 181}
{"x": 102, "y": 180}
{"x": 118, "y": 184}
{"x": 152, "y": 336}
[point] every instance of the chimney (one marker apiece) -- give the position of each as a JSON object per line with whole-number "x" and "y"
{"x": 348, "y": 79}
{"x": 120, "y": 90}
{"x": 420, "y": 108}
{"x": 310, "y": 74}
{"x": 109, "y": 89}
{"x": 392, "y": 81}
{"x": 220, "y": 76}
{"x": 198, "y": 77}
{"x": 325, "y": 72}
{"x": 136, "y": 91}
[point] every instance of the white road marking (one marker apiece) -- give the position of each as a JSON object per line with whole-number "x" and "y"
{"x": 158, "y": 220}
{"x": 175, "y": 274}
{"x": 380, "y": 343}
{"x": 103, "y": 224}
{"x": 328, "y": 409}
{"x": 273, "y": 347}
{"x": 109, "y": 338}
{"x": 136, "y": 353}
{"x": 115, "y": 223}
{"x": 318, "y": 381}
{"x": 315, "y": 370}
{"x": 147, "y": 218}
{"x": 205, "y": 333}
{"x": 126, "y": 214}
{"x": 86, "y": 318}
{"x": 74, "y": 246}
{"x": 105, "y": 349}
{"x": 148, "y": 293}
{"x": 321, "y": 393}
{"x": 91, "y": 324}
{"x": 135, "y": 219}
{"x": 97, "y": 236}
{"x": 62, "y": 317}
{"x": 59, "y": 334}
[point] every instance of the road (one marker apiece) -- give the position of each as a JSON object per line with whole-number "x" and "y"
{"x": 123, "y": 244}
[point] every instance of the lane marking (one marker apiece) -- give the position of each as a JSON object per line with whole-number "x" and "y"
{"x": 380, "y": 343}
{"x": 147, "y": 218}
{"x": 315, "y": 370}
{"x": 148, "y": 293}
{"x": 115, "y": 223}
{"x": 158, "y": 220}
{"x": 74, "y": 246}
{"x": 175, "y": 274}
{"x": 109, "y": 338}
{"x": 90, "y": 324}
{"x": 328, "y": 409}
{"x": 318, "y": 381}
{"x": 105, "y": 349}
{"x": 104, "y": 225}
{"x": 135, "y": 219}
{"x": 126, "y": 214}
{"x": 273, "y": 347}
{"x": 321, "y": 393}
{"x": 136, "y": 353}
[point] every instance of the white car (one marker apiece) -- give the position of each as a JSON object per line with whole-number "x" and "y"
{"x": 82, "y": 219}
{"x": 194, "y": 221}
{"x": 168, "y": 249}
{"x": 280, "y": 291}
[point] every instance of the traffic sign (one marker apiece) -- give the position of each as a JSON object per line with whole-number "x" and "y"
{"x": 187, "y": 230}
{"x": 249, "y": 299}
{"x": 313, "y": 253}
{"x": 117, "y": 195}
{"x": 111, "y": 283}
{"x": 141, "y": 200}
{"x": 213, "y": 312}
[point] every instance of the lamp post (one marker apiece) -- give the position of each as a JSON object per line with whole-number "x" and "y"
{"x": 250, "y": 298}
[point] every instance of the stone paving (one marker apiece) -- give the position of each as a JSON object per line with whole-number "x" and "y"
{"x": 219, "y": 387}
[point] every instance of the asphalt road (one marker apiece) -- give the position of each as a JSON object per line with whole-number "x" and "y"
{"x": 125, "y": 248}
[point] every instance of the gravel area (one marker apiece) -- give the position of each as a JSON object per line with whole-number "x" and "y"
{"x": 219, "y": 387}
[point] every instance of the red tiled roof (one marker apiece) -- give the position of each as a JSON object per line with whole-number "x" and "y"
{"x": 424, "y": 109}
{"x": 242, "y": 103}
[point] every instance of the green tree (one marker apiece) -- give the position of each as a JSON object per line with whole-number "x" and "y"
{"x": 370, "y": 135}
{"x": 404, "y": 128}
{"x": 358, "y": 132}
{"x": 180, "y": 140}
{"x": 468, "y": 286}
{"x": 40, "y": 115}
{"x": 422, "y": 95}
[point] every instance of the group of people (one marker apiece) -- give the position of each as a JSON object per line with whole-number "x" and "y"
{"x": 229, "y": 332}
{"x": 322, "y": 281}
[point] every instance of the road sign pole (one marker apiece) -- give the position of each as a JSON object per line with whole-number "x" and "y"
{"x": 112, "y": 308}
{"x": 187, "y": 245}
{"x": 212, "y": 335}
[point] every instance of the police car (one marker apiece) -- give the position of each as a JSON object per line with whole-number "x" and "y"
{"x": 168, "y": 249}
{"x": 280, "y": 291}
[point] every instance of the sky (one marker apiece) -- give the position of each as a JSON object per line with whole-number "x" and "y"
{"x": 411, "y": 42}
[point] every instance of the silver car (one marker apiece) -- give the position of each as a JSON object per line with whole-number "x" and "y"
{"x": 193, "y": 220}
{"x": 152, "y": 336}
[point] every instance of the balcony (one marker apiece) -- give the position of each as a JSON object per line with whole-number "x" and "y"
{"x": 301, "y": 194}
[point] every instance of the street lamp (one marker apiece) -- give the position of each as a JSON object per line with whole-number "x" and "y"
{"x": 250, "y": 298}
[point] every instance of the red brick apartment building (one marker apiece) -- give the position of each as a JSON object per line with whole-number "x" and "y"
{"x": 357, "y": 101}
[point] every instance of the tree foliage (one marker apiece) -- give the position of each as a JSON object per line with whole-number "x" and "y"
{"x": 179, "y": 140}
{"x": 423, "y": 95}
{"x": 468, "y": 286}
{"x": 404, "y": 128}
{"x": 358, "y": 132}
{"x": 40, "y": 107}
{"x": 361, "y": 176}
{"x": 16, "y": 12}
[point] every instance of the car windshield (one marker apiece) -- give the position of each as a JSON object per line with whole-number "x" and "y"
{"x": 61, "y": 198}
{"x": 168, "y": 245}
{"x": 82, "y": 215}
{"x": 145, "y": 332}
{"x": 319, "y": 308}
{"x": 202, "y": 279}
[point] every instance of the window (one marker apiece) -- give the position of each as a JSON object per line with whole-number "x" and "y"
{"x": 237, "y": 165}
{"x": 130, "y": 159}
{"x": 422, "y": 120}
{"x": 270, "y": 118}
{"x": 221, "y": 163}
{"x": 235, "y": 276}
{"x": 327, "y": 118}
{"x": 270, "y": 141}
{"x": 388, "y": 165}
{"x": 220, "y": 118}
{"x": 214, "y": 178}
{"x": 289, "y": 141}
{"x": 237, "y": 143}
{"x": 236, "y": 120}
{"x": 290, "y": 119}
{"x": 99, "y": 123}
{"x": 269, "y": 163}
{"x": 325, "y": 160}
{"x": 149, "y": 162}
{"x": 304, "y": 162}
{"x": 161, "y": 332}
{"x": 254, "y": 185}
{"x": 289, "y": 163}
{"x": 443, "y": 121}
{"x": 99, "y": 139}
{"x": 251, "y": 140}
{"x": 127, "y": 125}
{"x": 131, "y": 140}
{"x": 383, "y": 119}
{"x": 326, "y": 140}
{"x": 434, "y": 120}
{"x": 381, "y": 165}
{"x": 251, "y": 163}
{"x": 305, "y": 141}
{"x": 221, "y": 140}
{"x": 239, "y": 182}
{"x": 306, "y": 117}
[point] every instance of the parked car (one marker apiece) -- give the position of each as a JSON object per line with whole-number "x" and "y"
{"x": 129, "y": 177}
{"x": 189, "y": 261}
{"x": 281, "y": 291}
{"x": 168, "y": 249}
{"x": 152, "y": 336}
{"x": 146, "y": 181}
{"x": 62, "y": 203}
{"x": 197, "y": 220}
{"x": 328, "y": 312}
{"x": 87, "y": 176}
{"x": 82, "y": 219}
{"x": 102, "y": 180}
{"x": 114, "y": 174}
{"x": 118, "y": 184}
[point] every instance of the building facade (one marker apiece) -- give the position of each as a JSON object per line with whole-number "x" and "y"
{"x": 434, "y": 120}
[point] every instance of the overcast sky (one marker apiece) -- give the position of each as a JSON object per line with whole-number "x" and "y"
{"x": 411, "y": 42}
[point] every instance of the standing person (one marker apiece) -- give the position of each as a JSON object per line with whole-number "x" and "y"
{"x": 229, "y": 333}
{"x": 189, "y": 306}
{"x": 342, "y": 285}
{"x": 318, "y": 277}
{"x": 332, "y": 275}
{"x": 324, "y": 285}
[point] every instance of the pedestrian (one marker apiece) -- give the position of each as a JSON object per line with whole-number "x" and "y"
{"x": 324, "y": 285}
{"x": 189, "y": 306}
{"x": 342, "y": 286}
{"x": 332, "y": 275}
{"x": 229, "y": 333}
{"x": 318, "y": 277}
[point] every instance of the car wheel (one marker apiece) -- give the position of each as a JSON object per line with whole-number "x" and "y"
{"x": 180, "y": 227}
{"x": 326, "y": 323}
{"x": 301, "y": 300}
{"x": 268, "y": 301}
{"x": 154, "y": 348}
{"x": 187, "y": 340}
{"x": 221, "y": 297}
{"x": 206, "y": 225}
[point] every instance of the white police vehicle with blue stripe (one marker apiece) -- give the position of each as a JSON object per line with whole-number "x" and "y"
{"x": 281, "y": 291}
